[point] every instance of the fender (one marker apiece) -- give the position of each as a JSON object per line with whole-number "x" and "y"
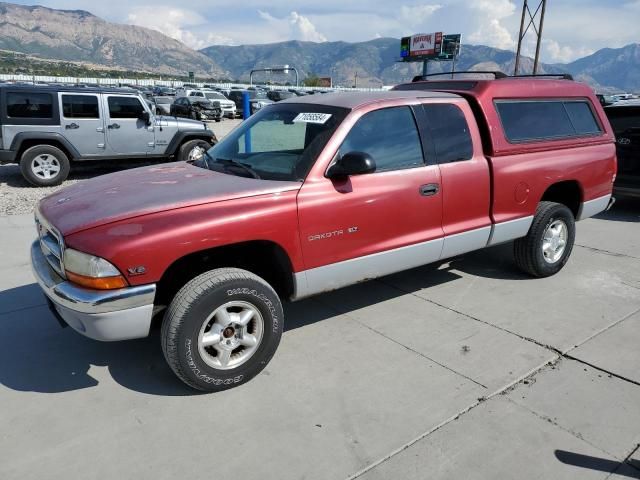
{"x": 180, "y": 137}
{"x": 16, "y": 144}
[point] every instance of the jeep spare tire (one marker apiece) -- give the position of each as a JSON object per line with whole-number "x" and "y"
{"x": 221, "y": 329}
{"x": 44, "y": 165}
{"x": 193, "y": 150}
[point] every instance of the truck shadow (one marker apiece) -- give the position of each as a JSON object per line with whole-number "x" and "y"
{"x": 40, "y": 356}
{"x": 626, "y": 209}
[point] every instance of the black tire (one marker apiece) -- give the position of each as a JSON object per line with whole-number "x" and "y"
{"x": 218, "y": 120}
{"x": 528, "y": 250}
{"x": 54, "y": 156}
{"x": 186, "y": 317}
{"x": 195, "y": 116}
{"x": 184, "y": 154}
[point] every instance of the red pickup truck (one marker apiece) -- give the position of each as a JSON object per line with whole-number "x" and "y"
{"x": 315, "y": 193}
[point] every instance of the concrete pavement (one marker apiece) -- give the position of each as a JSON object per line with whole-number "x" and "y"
{"x": 466, "y": 369}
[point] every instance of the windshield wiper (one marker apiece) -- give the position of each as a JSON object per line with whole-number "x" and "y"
{"x": 243, "y": 166}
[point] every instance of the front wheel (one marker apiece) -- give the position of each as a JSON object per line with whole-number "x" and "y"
{"x": 44, "y": 166}
{"x": 548, "y": 245}
{"x": 193, "y": 150}
{"x": 221, "y": 329}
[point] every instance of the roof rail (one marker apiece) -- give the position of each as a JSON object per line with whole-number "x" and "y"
{"x": 562, "y": 76}
{"x": 496, "y": 74}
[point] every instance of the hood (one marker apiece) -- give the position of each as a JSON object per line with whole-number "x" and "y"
{"x": 141, "y": 191}
{"x": 179, "y": 123}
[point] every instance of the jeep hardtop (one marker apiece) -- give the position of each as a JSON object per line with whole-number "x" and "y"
{"x": 315, "y": 193}
{"x": 47, "y": 128}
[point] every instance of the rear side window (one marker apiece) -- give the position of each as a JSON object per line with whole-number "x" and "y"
{"x": 546, "y": 120}
{"x": 390, "y": 136}
{"x": 29, "y": 105}
{"x": 449, "y": 132}
{"x": 125, "y": 107}
{"x": 80, "y": 106}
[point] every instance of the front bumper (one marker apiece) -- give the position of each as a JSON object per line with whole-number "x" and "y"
{"x": 105, "y": 315}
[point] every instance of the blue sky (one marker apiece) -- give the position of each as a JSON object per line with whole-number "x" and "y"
{"x": 573, "y": 28}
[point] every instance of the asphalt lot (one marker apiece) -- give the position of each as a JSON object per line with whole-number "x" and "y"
{"x": 465, "y": 369}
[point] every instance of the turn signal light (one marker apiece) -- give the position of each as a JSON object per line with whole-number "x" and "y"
{"x": 99, "y": 283}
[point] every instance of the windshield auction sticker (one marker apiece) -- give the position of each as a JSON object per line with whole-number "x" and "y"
{"x": 320, "y": 118}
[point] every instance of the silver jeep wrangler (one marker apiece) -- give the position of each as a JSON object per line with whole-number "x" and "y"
{"x": 46, "y": 128}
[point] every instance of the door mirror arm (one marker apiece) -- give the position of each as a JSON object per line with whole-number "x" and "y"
{"x": 352, "y": 163}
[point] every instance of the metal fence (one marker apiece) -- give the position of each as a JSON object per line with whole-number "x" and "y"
{"x": 149, "y": 82}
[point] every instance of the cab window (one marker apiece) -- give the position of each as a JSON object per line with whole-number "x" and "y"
{"x": 125, "y": 107}
{"x": 29, "y": 105}
{"x": 80, "y": 106}
{"x": 390, "y": 136}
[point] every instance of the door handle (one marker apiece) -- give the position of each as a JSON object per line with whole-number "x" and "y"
{"x": 429, "y": 189}
{"x": 72, "y": 126}
{"x": 113, "y": 126}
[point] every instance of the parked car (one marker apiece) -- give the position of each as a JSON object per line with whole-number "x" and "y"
{"x": 227, "y": 106}
{"x": 197, "y": 108}
{"x": 162, "y": 105}
{"x": 278, "y": 95}
{"x": 313, "y": 194}
{"x": 164, "y": 91}
{"x": 257, "y": 100}
{"x": 625, "y": 121}
{"x": 46, "y": 130}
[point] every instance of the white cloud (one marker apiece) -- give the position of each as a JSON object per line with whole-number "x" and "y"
{"x": 174, "y": 22}
{"x": 556, "y": 53}
{"x": 417, "y": 15}
{"x": 294, "y": 26}
{"x": 491, "y": 31}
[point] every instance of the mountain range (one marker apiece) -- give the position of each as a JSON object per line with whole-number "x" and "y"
{"x": 79, "y": 36}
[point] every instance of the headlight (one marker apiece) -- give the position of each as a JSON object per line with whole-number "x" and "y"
{"x": 91, "y": 272}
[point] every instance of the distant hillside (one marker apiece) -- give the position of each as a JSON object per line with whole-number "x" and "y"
{"x": 376, "y": 62}
{"x": 76, "y": 35}
{"x": 79, "y": 36}
{"x": 615, "y": 67}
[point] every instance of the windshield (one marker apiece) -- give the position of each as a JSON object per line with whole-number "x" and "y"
{"x": 215, "y": 96}
{"x": 257, "y": 94}
{"x": 281, "y": 142}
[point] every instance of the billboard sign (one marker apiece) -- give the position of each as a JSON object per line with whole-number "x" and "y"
{"x": 429, "y": 46}
{"x": 450, "y": 46}
{"x": 426, "y": 44}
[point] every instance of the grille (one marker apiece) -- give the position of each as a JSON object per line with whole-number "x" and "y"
{"x": 51, "y": 244}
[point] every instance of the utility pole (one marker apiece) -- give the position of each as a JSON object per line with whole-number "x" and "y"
{"x": 356, "y": 81}
{"x": 536, "y": 20}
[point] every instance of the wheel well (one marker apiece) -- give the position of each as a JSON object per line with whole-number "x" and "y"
{"x": 266, "y": 259}
{"x": 26, "y": 144}
{"x": 567, "y": 193}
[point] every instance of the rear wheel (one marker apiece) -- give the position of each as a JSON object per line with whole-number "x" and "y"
{"x": 221, "y": 329}
{"x": 44, "y": 165}
{"x": 548, "y": 245}
{"x": 193, "y": 150}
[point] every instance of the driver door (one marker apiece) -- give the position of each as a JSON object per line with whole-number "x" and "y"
{"x": 127, "y": 133}
{"x": 365, "y": 226}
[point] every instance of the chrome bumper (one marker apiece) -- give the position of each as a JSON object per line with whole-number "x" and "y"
{"x": 106, "y": 315}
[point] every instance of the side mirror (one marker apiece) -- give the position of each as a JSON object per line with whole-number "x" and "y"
{"x": 352, "y": 163}
{"x": 145, "y": 117}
